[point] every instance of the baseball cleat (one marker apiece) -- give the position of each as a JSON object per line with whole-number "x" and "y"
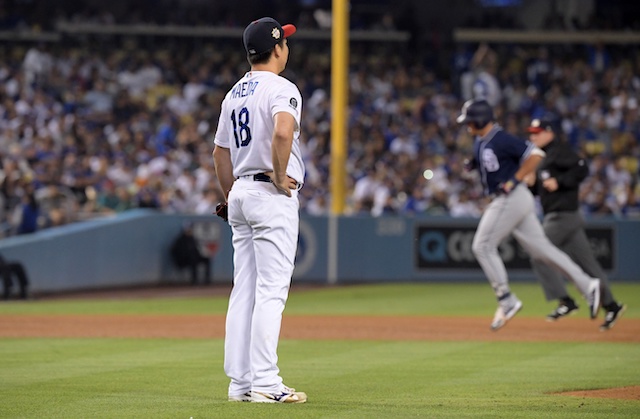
{"x": 502, "y": 317}
{"x": 563, "y": 309}
{"x": 287, "y": 395}
{"x": 246, "y": 397}
{"x": 593, "y": 297}
{"x": 612, "y": 316}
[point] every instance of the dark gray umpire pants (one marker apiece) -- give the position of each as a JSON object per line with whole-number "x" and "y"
{"x": 566, "y": 231}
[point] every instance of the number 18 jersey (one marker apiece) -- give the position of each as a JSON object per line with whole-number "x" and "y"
{"x": 246, "y": 123}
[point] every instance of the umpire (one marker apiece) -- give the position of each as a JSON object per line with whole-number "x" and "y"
{"x": 557, "y": 181}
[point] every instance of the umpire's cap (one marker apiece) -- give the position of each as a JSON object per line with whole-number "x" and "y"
{"x": 476, "y": 110}
{"x": 263, "y": 34}
{"x": 549, "y": 121}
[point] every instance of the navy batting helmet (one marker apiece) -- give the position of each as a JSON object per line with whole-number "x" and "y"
{"x": 477, "y": 111}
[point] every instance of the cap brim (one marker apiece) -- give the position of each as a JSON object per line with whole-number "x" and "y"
{"x": 535, "y": 130}
{"x": 288, "y": 30}
{"x": 461, "y": 118}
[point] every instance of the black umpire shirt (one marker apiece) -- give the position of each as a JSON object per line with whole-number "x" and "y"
{"x": 569, "y": 169}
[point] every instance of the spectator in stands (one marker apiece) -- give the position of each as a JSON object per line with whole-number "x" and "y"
{"x": 632, "y": 207}
{"x": 146, "y": 198}
{"x": 36, "y": 65}
{"x": 599, "y": 58}
{"x": 464, "y": 207}
{"x": 29, "y": 214}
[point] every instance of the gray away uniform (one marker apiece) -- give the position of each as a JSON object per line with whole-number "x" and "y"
{"x": 498, "y": 156}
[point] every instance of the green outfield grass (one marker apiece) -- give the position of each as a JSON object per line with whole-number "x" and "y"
{"x": 183, "y": 378}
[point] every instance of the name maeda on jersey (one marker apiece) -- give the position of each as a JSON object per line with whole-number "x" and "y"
{"x": 244, "y": 89}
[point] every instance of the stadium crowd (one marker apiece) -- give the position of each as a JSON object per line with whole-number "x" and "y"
{"x": 88, "y": 132}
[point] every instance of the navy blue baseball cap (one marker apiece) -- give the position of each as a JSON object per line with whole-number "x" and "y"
{"x": 263, "y": 34}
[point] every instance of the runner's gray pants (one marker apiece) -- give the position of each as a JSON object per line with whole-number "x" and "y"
{"x": 515, "y": 214}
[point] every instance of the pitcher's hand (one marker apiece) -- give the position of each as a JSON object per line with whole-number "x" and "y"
{"x": 285, "y": 185}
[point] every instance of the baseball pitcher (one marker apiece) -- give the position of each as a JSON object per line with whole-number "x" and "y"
{"x": 260, "y": 169}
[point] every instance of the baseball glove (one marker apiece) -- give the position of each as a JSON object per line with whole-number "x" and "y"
{"x": 221, "y": 211}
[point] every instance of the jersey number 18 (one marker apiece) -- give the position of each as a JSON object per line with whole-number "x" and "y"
{"x": 241, "y": 130}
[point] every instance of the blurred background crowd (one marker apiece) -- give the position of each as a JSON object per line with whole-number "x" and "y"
{"x": 96, "y": 125}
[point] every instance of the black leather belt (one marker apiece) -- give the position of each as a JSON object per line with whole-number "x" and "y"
{"x": 261, "y": 177}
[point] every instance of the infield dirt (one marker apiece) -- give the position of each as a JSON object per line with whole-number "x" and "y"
{"x": 520, "y": 329}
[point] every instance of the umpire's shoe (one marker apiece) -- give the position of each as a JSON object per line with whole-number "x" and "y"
{"x": 565, "y": 308}
{"x": 614, "y": 312}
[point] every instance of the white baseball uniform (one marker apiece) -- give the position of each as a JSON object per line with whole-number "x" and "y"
{"x": 264, "y": 224}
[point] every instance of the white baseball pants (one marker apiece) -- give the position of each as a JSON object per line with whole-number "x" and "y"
{"x": 264, "y": 225}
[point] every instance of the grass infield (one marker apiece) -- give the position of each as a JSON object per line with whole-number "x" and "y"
{"x": 183, "y": 378}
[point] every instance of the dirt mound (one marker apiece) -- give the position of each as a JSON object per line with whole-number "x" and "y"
{"x": 622, "y": 393}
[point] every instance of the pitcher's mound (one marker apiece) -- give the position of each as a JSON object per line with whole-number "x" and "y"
{"x": 624, "y": 393}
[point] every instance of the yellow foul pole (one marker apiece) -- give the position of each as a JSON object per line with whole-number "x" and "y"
{"x": 339, "y": 111}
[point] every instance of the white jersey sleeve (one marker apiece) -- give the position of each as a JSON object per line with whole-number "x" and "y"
{"x": 222, "y": 132}
{"x": 288, "y": 100}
